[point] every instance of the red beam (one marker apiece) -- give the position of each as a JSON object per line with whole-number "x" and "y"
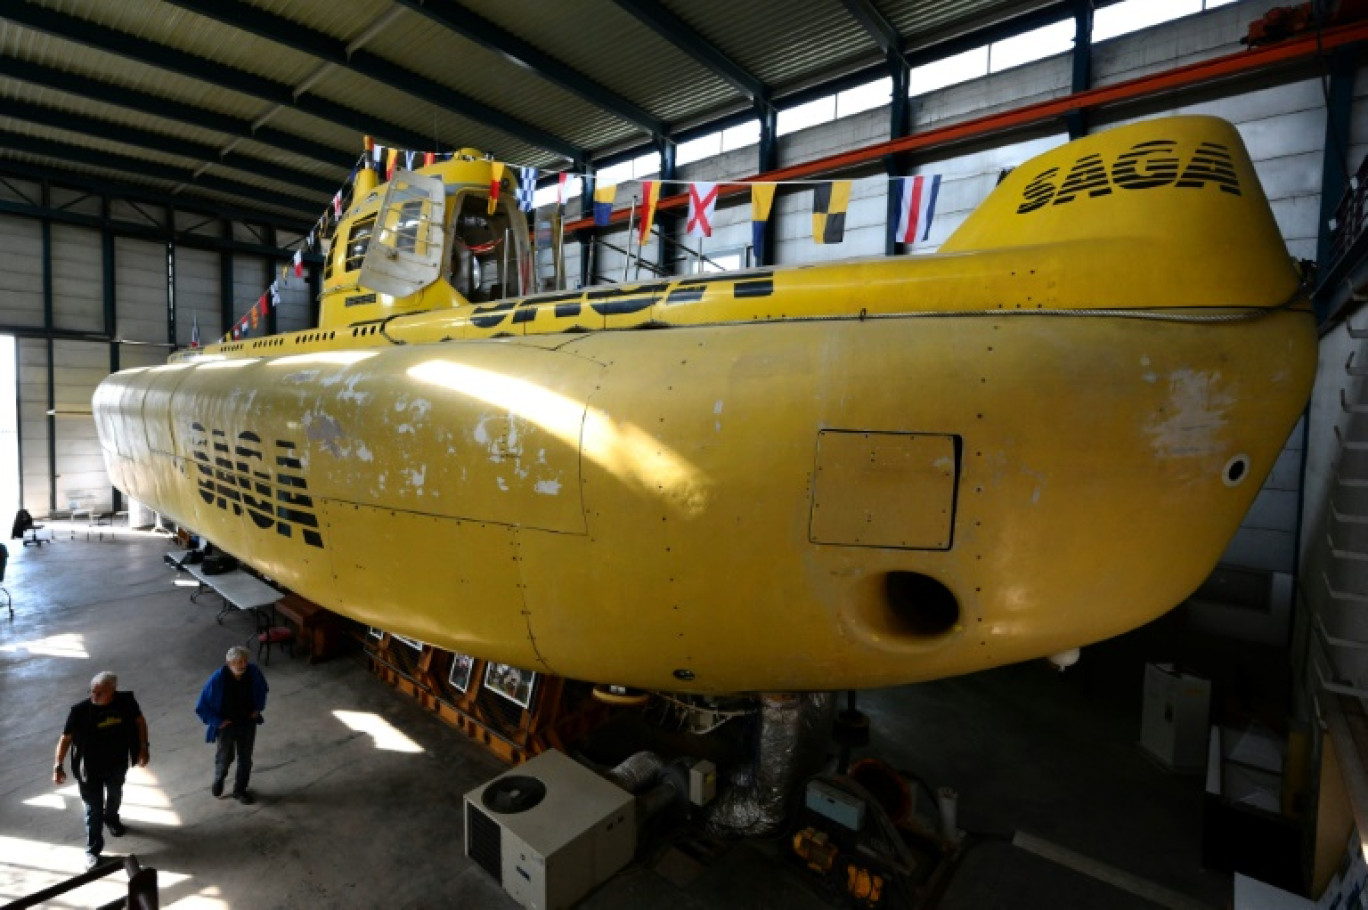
{"x": 1217, "y": 69}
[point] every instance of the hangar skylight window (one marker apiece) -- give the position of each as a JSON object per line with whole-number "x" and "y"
{"x": 1133, "y": 15}
{"x": 1036, "y": 44}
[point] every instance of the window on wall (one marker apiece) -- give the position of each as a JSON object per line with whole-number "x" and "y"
{"x": 738, "y": 137}
{"x": 698, "y": 149}
{"x": 863, "y": 97}
{"x": 802, "y": 116}
{"x": 1133, "y": 15}
{"x": 952, "y": 70}
{"x": 1036, "y": 44}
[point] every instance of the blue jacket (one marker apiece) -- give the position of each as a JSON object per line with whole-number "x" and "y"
{"x": 210, "y": 706}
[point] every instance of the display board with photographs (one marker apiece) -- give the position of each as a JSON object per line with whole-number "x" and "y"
{"x": 512, "y": 683}
{"x": 461, "y": 665}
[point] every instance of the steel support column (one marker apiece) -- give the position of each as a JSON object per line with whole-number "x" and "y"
{"x": 1339, "y": 106}
{"x": 668, "y": 223}
{"x": 109, "y": 297}
{"x": 586, "y": 235}
{"x": 271, "y": 274}
{"x": 899, "y": 125}
{"x": 107, "y": 271}
{"x": 46, "y": 255}
{"x": 225, "y": 289}
{"x": 1077, "y": 119}
{"x": 769, "y": 160}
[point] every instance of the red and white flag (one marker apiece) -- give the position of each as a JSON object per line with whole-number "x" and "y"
{"x": 299, "y": 264}
{"x": 561, "y": 180}
{"x": 702, "y": 203}
{"x": 337, "y": 204}
{"x": 916, "y": 208}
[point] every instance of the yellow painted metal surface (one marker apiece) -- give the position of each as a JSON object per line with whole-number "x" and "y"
{"x": 834, "y": 476}
{"x": 884, "y": 490}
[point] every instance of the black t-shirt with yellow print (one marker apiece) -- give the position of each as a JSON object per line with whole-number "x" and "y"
{"x": 105, "y": 736}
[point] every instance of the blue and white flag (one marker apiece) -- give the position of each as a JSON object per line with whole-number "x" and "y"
{"x": 916, "y": 208}
{"x": 527, "y": 187}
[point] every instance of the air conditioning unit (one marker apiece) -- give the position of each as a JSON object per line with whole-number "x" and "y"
{"x": 550, "y": 831}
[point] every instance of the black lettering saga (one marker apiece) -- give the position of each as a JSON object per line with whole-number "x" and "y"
{"x": 1146, "y": 166}
{"x": 240, "y": 477}
{"x": 1088, "y": 175}
{"x": 1038, "y": 192}
{"x": 1211, "y": 164}
{"x": 225, "y": 481}
{"x": 254, "y": 479}
{"x": 199, "y": 444}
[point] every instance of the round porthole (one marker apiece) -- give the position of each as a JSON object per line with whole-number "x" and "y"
{"x": 1235, "y": 470}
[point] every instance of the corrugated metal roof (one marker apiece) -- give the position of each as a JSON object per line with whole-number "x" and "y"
{"x": 275, "y": 95}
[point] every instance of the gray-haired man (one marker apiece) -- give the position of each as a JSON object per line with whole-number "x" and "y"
{"x": 230, "y": 706}
{"x": 104, "y": 734}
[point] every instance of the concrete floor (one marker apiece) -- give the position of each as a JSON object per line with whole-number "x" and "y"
{"x": 359, "y": 790}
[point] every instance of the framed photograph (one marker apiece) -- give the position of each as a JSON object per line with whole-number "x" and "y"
{"x": 375, "y": 633}
{"x": 413, "y": 643}
{"x": 512, "y": 683}
{"x": 459, "y": 677}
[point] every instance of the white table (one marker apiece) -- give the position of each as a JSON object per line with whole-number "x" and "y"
{"x": 239, "y": 590}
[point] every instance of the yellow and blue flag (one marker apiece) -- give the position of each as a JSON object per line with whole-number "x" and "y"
{"x": 829, "y": 203}
{"x": 604, "y": 196}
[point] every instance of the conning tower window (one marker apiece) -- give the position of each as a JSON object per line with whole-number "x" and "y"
{"x": 358, "y": 241}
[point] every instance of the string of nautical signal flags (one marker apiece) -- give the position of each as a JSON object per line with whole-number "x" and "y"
{"x": 917, "y": 197}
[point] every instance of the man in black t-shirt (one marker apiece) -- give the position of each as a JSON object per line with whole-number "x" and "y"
{"x": 103, "y": 735}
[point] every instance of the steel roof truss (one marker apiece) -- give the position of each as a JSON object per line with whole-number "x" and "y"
{"x": 462, "y": 21}
{"x": 278, "y": 29}
{"x": 150, "y": 53}
{"x": 674, "y": 30}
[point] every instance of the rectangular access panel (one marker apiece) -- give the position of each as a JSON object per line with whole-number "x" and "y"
{"x": 877, "y": 489}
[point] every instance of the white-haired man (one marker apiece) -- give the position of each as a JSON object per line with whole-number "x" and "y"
{"x": 230, "y": 706}
{"x": 104, "y": 734}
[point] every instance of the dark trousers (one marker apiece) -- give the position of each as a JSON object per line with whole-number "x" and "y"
{"x": 235, "y": 740}
{"x": 102, "y": 795}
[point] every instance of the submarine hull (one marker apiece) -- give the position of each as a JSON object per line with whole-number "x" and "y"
{"x": 798, "y": 506}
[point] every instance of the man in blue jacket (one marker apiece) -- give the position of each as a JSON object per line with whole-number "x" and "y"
{"x": 230, "y": 706}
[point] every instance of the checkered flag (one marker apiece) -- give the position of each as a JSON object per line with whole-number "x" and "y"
{"x": 527, "y": 187}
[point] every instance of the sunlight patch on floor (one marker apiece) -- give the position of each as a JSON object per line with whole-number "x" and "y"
{"x": 29, "y": 866}
{"x": 71, "y": 644}
{"x": 381, "y": 731}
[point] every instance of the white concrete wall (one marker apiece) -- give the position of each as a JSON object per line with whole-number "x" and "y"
{"x": 81, "y": 478}
{"x": 21, "y": 271}
{"x": 77, "y": 279}
{"x": 140, "y": 290}
{"x": 198, "y": 294}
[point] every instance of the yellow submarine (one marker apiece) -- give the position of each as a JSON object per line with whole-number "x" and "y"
{"x": 812, "y": 477}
